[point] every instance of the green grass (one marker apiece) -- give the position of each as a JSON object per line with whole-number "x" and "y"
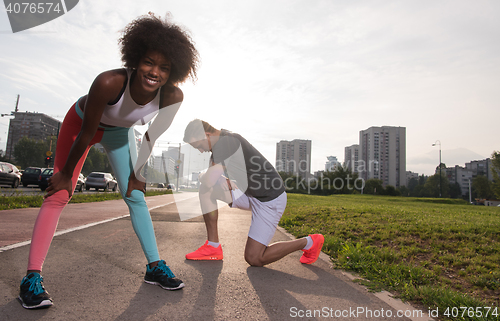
{"x": 434, "y": 252}
{"x": 16, "y": 200}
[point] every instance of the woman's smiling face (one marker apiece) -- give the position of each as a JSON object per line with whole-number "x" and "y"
{"x": 153, "y": 71}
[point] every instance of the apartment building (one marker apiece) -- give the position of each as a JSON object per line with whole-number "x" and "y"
{"x": 464, "y": 175}
{"x": 177, "y": 157}
{"x": 410, "y": 175}
{"x": 382, "y": 155}
{"x": 164, "y": 164}
{"x": 481, "y": 168}
{"x": 294, "y": 157}
{"x": 332, "y": 164}
{"x": 351, "y": 158}
{"x": 35, "y": 126}
{"x": 461, "y": 175}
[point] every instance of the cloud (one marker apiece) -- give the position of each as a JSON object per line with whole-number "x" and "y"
{"x": 285, "y": 70}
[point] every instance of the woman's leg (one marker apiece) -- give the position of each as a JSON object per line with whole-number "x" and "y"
{"x": 120, "y": 148}
{"x": 50, "y": 211}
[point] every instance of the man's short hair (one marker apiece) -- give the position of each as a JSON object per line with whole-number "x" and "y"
{"x": 196, "y": 130}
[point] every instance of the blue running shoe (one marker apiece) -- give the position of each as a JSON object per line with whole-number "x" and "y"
{"x": 32, "y": 293}
{"x": 162, "y": 276}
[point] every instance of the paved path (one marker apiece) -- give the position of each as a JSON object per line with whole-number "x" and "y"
{"x": 97, "y": 273}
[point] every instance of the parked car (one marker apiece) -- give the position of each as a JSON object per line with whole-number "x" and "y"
{"x": 98, "y": 180}
{"x": 80, "y": 183}
{"x": 9, "y": 175}
{"x": 43, "y": 180}
{"x": 161, "y": 185}
{"x": 171, "y": 186}
{"x": 31, "y": 175}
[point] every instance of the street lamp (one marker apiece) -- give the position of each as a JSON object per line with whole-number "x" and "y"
{"x": 11, "y": 143}
{"x": 440, "y": 185}
{"x": 178, "y": 162}
{"x": 13, "y": 113}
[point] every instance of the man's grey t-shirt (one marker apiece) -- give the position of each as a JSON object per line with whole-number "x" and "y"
{"x": 243, "y": 163}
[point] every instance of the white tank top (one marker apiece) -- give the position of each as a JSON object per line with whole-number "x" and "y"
{"x": 127, "y": 113}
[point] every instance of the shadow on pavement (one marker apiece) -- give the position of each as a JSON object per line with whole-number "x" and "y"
{"x": 204, "y": 307}
{"x": 278, "y": 291}
{"x": 15, "y": 311}
{"x": 148, "y": 300}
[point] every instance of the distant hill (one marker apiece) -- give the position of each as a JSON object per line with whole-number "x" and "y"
{"x": 427, "y": 163}
{"x": 460, "y": 156}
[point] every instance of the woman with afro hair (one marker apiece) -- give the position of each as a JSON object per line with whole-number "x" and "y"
{"x": 157, "y": 56}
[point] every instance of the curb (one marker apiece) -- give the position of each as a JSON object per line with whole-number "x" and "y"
{"x": 385, "y": 296}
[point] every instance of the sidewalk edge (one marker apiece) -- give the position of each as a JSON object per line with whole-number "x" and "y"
{"x": 385, "y": 296}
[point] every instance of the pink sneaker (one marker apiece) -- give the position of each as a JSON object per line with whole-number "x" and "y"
{"x": 310, "y": 256}
{"x": 206, "y": 253}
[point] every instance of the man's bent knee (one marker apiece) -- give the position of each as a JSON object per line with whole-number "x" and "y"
{"x": 253, "y": 260}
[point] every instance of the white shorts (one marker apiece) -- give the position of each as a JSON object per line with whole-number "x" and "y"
{"x": 265, "y": 215}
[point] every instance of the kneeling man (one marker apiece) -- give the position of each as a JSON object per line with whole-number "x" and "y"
{"x": 240, "y": 176}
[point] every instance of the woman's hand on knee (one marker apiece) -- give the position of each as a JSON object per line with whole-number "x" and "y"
{"x": 135, "y": 183}
{"x": 59, "y": 182}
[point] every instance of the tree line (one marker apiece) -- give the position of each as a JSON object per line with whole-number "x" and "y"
{"x": 31, "y": 153}
{"x": 344, "y": 181}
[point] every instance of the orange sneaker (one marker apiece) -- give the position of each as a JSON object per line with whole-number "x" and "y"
{"x": 206, "y": 253}
{"x": 310, "y": 256}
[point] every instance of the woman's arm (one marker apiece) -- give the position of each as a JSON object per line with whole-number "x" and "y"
{"x": 171, "y": 103}
{"x": 104, "y": 89}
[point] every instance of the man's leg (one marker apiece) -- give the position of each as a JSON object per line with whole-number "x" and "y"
{"x": 265, "y": 219}
{"x": 258, "y": 254}
{"x": 208, "y": 201}
{"x": 211, "y": 250}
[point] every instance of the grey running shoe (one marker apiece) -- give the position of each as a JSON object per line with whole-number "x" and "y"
{"x": 32, "y": 293}
{"x": 162, "y": 276}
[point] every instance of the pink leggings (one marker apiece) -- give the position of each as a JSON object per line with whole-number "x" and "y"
{"x": 116, "y": 143}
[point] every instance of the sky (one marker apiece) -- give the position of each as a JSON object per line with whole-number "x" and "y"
{"x": 284, "y": 70}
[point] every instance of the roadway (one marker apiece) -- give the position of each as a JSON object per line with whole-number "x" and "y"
{"x": 95, "y": 269}
{"x": 35, "y": 190}
{"x": 32, "y": 190}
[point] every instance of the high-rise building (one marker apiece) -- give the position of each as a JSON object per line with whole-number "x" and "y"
{"x": 410, "y": 175}
{"x": 178, "y": 157}
{"x": 383, "y": 155}
{"x": 35, "y": 126}
{"x": 167, "y": 162}
{"x": 332, "y": 164}
{"x": 461, "y": 175}
{"x": 351, "y": 157}
{"x": 164, "y": 164}
{"x": 464, "y": 175}
{"x": 294, "y": 157}
{"x": 481, "y": 168}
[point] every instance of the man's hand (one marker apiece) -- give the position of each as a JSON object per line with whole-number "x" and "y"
{"x": 226, "y": 183}
{"x": 59, "y": 182}
{"x": 212, "y": 175}
{"x": 135, "y": 183}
